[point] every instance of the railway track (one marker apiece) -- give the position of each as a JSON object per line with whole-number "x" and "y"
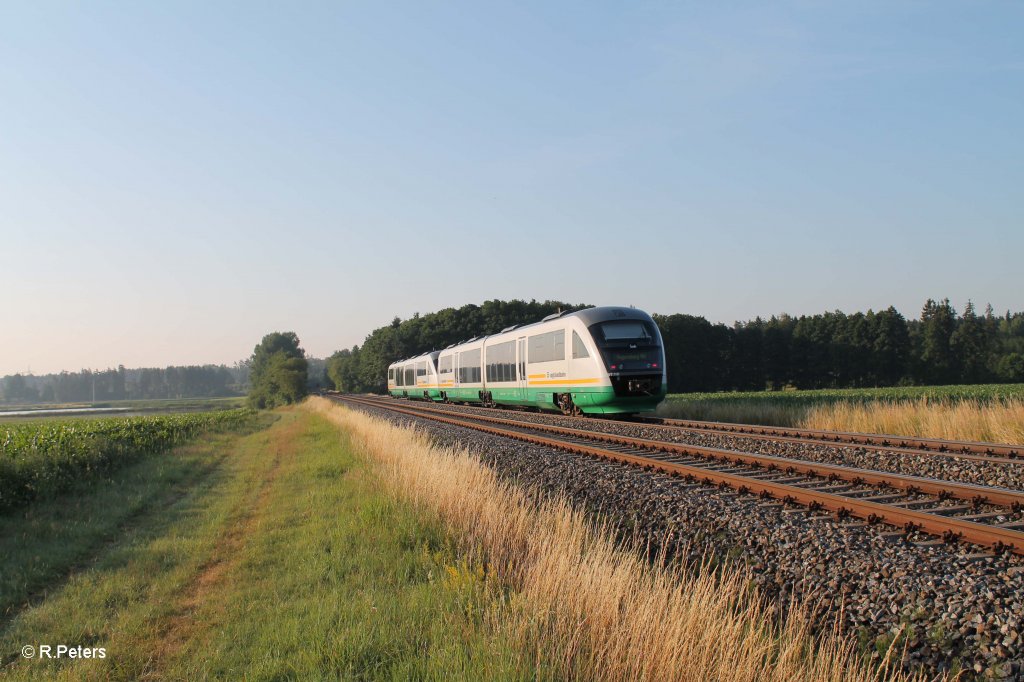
{"x": 982, "y": 515}
{"x": 984, "y": 451}
{"x": 748, "y": 431}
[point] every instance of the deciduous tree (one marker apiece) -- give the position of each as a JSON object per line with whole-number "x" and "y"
{"x": 278, "y": 371}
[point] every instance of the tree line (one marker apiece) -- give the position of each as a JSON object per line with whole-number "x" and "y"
{"x": 194, "y": 381}
{"x": 144, "y": 383}
{"x": 827, "y": 350}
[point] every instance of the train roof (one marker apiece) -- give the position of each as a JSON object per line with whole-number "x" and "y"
{"x": 422, "y": 356}
{"x": 588, "y": 316}
{"x": 605, "y": 313}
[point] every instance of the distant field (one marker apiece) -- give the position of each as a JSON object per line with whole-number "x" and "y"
{"x": 989, "y": 412}
{"x": 125, "y": 407}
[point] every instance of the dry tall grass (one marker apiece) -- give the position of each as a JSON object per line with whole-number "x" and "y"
{"x": 584, "y": 607}
{"x": 1000, "y": 422}
{"x": 996, "y": 422}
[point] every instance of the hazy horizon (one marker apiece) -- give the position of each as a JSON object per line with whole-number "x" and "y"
{"x": 980, "y": 309}
{"x": 177, "y": 181}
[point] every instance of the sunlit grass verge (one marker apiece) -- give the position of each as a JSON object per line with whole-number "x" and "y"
{"x": 1000, "y": 421}
{"x": 333, "y": 577}
{"x": 290, "y": 560}
{"x": 995, "y": 423}
{"x": 576, "y": 601}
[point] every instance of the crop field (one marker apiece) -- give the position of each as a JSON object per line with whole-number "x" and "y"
{"x": 989, "y": 412}
{"x": 44, "y": 457}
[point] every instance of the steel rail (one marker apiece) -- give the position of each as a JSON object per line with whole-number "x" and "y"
{"x": 948, "y": 527}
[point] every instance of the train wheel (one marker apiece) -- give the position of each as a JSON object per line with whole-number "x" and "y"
{"x": 569, "y": 408}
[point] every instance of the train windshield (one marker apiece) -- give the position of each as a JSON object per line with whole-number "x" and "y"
{"x": 625, "y": 330}
{"x": 628, "y": 345}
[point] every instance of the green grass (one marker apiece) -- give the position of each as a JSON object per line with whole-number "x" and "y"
{"x": 270, "y": 556}
{"x": 977, "y": 393}
{"x": 44, "y": 541}
{"x": 40, "y": 459}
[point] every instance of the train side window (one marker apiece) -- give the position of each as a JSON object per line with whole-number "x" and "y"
{"x": 501, "y": 362}
{"x": 578, "y": 349}
{"x": 547, "y": 347}
{"x": 538, "y": 348}
{"x": 469, "y": 366}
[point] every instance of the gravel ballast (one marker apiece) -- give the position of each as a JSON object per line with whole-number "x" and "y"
{"x": 945, "y": 466}
{"x": 958, "y": 604}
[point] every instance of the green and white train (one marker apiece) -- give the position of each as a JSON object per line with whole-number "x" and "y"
{"x": 603, "y": 360}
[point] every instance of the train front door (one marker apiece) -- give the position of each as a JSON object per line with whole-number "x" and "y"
{"x": 521, "y": 369}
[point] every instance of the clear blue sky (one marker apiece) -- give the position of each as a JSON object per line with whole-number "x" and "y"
{"x": 177, "y": 179}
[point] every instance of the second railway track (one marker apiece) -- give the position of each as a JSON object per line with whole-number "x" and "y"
{"x": 880, "y": 443}
{"x": 970, "y": 449}
{"x": 982, "y": 515}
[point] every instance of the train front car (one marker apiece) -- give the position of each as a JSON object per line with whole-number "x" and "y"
{"x": 633, "y": 357}
{"x": 595, "y": 361}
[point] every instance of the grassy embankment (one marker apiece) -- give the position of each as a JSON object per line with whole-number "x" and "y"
{"x": 269, "y": 555}
{"x": 993, "y": 413}
{"x": 311, "y": 551}
{"x": 589, "y": 609}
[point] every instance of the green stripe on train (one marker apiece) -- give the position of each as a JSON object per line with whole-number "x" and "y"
{"x": 592, "y": 400}
{"x": 432, "y": 393}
